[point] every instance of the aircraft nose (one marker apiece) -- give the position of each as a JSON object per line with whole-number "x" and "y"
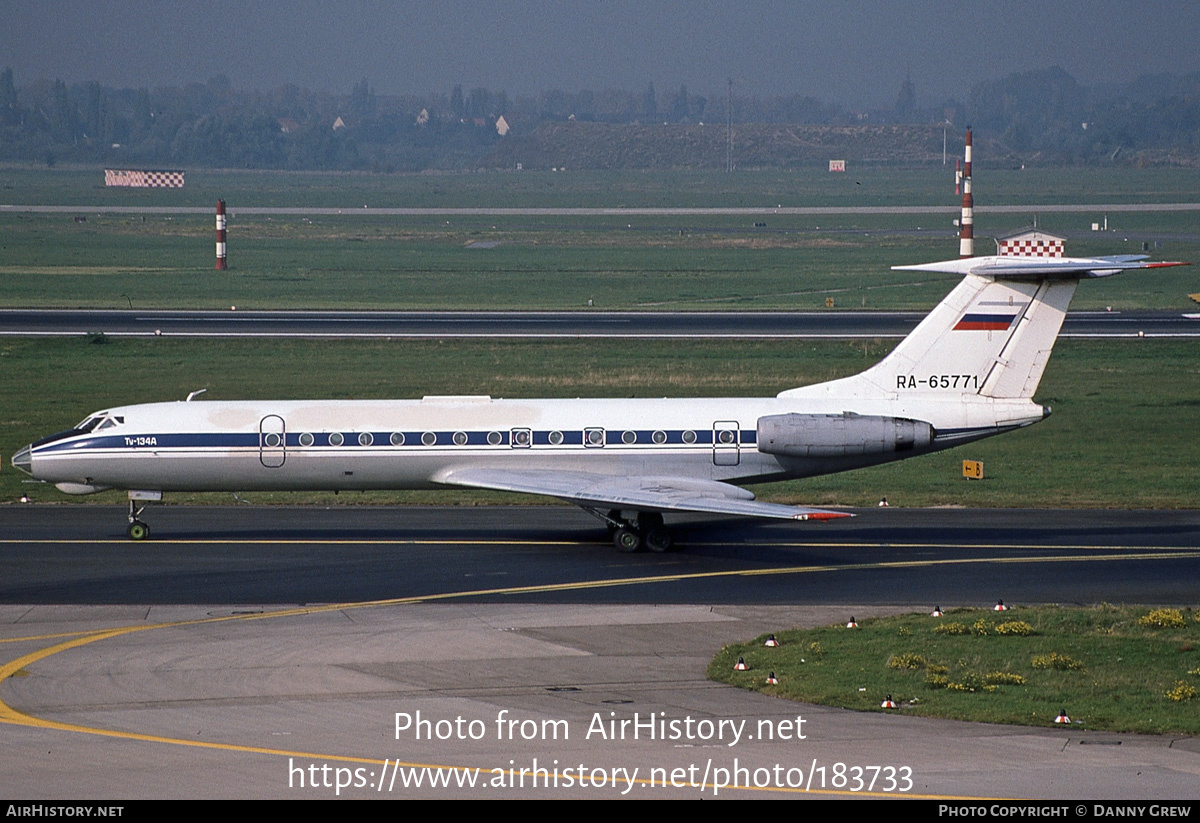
{"x": 23, "y": 460}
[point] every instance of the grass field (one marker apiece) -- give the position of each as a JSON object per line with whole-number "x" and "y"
{"x": 710, "y": 262}
{"x": 1122, "y": 433}
{"x": 874, "y": 186}
{"x": 1115, "y": 668}
{"x": 111, "y": 261}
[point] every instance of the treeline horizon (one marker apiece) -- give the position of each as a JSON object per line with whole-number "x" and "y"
{"x": 1043, "y": 117}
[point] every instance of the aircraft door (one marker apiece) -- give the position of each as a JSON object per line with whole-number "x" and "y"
{"x": 272, "y": 441}
{"x": 725, "y": 443}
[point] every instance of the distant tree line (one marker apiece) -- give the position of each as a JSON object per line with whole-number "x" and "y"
{"x": 1042, "y": 116}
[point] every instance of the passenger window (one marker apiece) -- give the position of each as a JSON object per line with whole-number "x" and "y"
{"x": 521, "y": 438}
{"x": 460, "y": 438}
{"x": 366, "y": 439}
{"x": 556, "y": 438}
{"x": 495, "y": 438}
{"x": 689, "y": 437}
{"x": 306, "y": 439}
{"x": 429, "y": 438}
{"x": 336, "y": 439}
{"x": 397, "y": 438}
{"x": 659, "y": 437}
{"x": 593, "y": 438}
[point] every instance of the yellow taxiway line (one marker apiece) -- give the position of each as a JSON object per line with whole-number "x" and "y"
{"x": 12, "y": 716}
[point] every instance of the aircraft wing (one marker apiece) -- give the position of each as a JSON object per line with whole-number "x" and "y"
{"x": 679, "y": 494}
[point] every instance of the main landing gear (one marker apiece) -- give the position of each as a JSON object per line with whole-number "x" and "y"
{"x": 645, "y": 530}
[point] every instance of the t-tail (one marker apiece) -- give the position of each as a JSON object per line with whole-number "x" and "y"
{"x": 991, "y": 336}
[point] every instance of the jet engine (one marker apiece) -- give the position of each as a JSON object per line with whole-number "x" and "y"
{"x": 840, "y": 435}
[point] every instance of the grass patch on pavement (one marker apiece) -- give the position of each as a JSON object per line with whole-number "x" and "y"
{"x": 1116, "y": 668}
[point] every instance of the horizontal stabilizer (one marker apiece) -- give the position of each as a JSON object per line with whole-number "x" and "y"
{"x": 681, "y": 494}
{"x": 1041, "y": 268}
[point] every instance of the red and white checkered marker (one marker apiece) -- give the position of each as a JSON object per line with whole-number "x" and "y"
{"x": 1062, "y": 717}
{"x": 937, "y": 612}
{"x": 851, "y": 624}
{"x": 771, "y": 681}
{"x": 741, "y": 666}
{"x": 999, "y": 607}
{"x": 888, "y": 703}
{"x": 771, "y": 641}
{"x": 1031, "y": 247}
{"x": 139, "y": 179}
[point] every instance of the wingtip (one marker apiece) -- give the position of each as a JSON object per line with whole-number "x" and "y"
{"x": 823, "y": 515}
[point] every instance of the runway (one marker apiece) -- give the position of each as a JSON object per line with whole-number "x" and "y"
{"x": 78, "y": 554}
{"x": 486, "y": 615}
{"x": 545, "y": 325}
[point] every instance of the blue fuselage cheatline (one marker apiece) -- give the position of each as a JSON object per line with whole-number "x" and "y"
{"x": 969, "y": 370}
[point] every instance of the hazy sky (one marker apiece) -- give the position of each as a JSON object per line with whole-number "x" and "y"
{"x": 856, "y": 53}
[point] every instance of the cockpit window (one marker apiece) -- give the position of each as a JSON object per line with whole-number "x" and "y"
{"x": 99, "y": 422}
{"x": 90, "y": 423}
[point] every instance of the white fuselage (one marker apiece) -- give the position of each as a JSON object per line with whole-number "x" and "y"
{"x": 384, "y": 444}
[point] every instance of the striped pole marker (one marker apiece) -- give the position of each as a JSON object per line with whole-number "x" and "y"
{"x": 222, "y": 265}
{"x": 966, "y": 227}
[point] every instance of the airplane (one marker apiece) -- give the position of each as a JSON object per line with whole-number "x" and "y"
{"x": 969, "y": 370}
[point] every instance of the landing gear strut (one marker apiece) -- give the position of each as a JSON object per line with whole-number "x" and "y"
{"x": 137, "y": 529}
{"x": 138, "y": 500}
{"x": 644, "y": 530}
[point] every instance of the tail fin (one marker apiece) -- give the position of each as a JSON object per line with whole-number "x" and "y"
{"x": 991, "y": 336}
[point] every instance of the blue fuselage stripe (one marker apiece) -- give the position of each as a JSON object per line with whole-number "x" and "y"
{"x": 383, "y": 440}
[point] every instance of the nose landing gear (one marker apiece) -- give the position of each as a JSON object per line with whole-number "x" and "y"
{"x": 138, "y": 500}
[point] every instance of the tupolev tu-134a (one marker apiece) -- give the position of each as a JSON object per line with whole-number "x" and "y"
{"x": 968, "y": 371}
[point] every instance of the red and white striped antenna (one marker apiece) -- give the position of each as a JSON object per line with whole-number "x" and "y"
{"x": 966, "y": 225}
{"x": 221, "y": 263}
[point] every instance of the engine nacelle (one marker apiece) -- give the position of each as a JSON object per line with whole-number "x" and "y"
{"x": 840, "y": 435}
